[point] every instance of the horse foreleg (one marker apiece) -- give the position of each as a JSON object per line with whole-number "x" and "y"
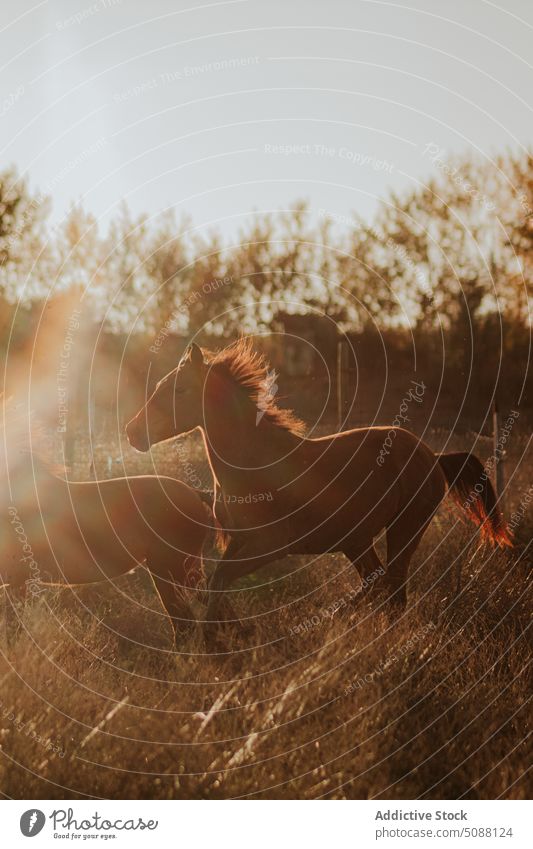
{"x": 240, "y": 559}
{"x": 174, "y": 602}
{"x": 222, "y": 577}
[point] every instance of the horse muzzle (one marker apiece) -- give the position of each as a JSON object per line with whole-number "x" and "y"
{"x": 137, "y": 436}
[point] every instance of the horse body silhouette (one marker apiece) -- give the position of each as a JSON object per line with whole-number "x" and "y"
{"x": 277, "y": 492}
{"x": 55, "y": 531}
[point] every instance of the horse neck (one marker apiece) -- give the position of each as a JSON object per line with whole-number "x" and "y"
{"x": 235, "y": 443}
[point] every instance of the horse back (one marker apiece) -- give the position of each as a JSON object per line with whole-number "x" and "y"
{"x": 371, "y": 472}
{"x": 118, "y": 522}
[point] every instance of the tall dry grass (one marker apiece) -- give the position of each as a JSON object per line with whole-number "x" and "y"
{"x": 311, "y": 694}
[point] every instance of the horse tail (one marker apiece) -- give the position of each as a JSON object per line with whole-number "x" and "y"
{"x": 470, "y": 487}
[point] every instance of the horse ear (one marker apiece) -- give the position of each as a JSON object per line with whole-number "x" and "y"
{"x": 194, "y": 354}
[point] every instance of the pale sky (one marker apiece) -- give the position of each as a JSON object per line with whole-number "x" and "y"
{"x": 219, "y": 108}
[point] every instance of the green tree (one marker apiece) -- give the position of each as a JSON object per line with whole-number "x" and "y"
{"x": 25, "y": 252}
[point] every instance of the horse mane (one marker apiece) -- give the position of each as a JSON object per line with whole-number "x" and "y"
{"x": 249, "y": 370}
{"x": 23, "y": 440}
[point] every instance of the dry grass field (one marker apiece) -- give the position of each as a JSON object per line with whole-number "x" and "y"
{"x": 212, "y": 214}
{"x": 314, "y": 693}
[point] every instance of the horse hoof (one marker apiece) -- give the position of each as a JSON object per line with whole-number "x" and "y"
{"x": 396, "y": 605}
{"x": 213, "y": 633}
{"x": 182, "y": 633}
{"x": 221, "y": 634}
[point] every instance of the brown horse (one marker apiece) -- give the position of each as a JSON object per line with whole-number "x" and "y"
{"x": 53, "y": 531}
{"x": 278, "y": 493}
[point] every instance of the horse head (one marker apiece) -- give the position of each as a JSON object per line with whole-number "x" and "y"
{"x": 175, "y": 406}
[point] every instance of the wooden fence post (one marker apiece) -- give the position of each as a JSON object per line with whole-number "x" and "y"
{"x": 499, "y": 454}
{"x": 341, "y": 382}
{"x": 92, "y": 414}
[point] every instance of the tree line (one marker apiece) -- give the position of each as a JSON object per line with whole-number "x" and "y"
{"x": 445, "y": 267}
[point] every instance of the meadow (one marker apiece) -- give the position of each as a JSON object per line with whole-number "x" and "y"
{"x": 369, "y": 228}
{"x": 315, "y": 690}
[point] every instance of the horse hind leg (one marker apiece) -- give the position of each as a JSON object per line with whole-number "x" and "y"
{"x": 367, "y": 563}
{"x": 403, "y": 537}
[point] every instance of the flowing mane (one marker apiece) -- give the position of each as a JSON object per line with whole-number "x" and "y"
{"x": 249, "y": 370}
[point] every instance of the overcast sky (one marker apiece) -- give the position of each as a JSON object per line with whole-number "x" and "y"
{"x": 219, "y": 108}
